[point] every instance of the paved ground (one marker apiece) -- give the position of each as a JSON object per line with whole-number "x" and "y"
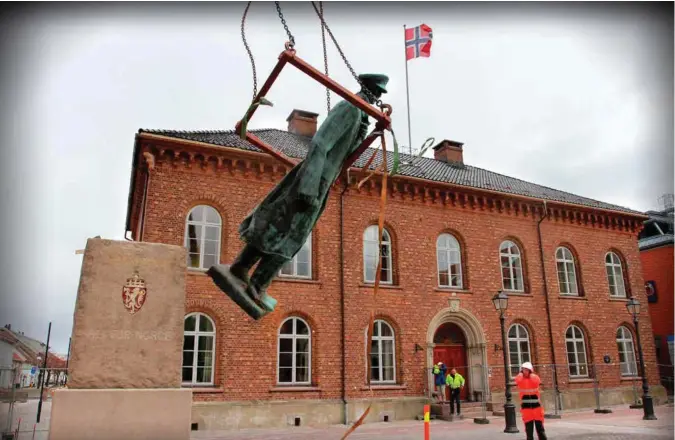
{"x": 622, "y": 424}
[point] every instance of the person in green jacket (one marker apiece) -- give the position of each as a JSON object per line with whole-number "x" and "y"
{"x": 455, "y": 382}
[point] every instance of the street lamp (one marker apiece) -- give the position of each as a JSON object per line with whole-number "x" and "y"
{"x": 633, "y": 307}
{"x": 501, "y": 302}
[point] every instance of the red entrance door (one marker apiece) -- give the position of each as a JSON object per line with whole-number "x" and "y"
{"x": 451, "y": 350}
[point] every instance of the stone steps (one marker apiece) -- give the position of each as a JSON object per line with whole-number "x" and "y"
{"x": 470, "y": 410}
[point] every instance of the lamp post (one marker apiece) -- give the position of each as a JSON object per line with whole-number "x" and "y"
{"x": 633, "y": 307}
{"x": 501, "y": 302}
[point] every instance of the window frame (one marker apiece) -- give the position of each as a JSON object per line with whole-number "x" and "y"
{"x": 565, "y": 261}
{"x": 197, "y": 333}
{"x": 390, "y": 258}
{"x": 294, "y": 262}
{"x": 294, "y": 337}
{"x": 449, "y": 251}
{"x": 574, "y": 341}
{"x": 611, "y": 265}
{"x": 518, "y": 339}
{"x": 510, "y": 256}
{"x": 621, "y": 346}
{"x": 201, "y": 240}
{"x": 379, "y": 339}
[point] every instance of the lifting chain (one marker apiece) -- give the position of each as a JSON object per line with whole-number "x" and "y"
{"x": 291, "y": 39}
{"x": 378, "y": 102}
{"x": 325, "y": 56}
{"x": 248, "y": 49}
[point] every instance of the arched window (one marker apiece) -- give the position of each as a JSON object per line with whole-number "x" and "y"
{"x": 567, "y": 274}
{"x": 295, "y": 354}
{"x": 300, "y": 266}
{"x": 202, "y": 237}
{"x": 617, "y": 287}
{"x": 624, "y": 341}
{"x": 199, "y": 343}
{"x": 519, "y": 347}
{"x": 512, "y": 268}
{"x": 449, "y": 259}
{"x": 382, "y": 353}
{"x": 576, "y": 352}
{"x": 370, "y": 256}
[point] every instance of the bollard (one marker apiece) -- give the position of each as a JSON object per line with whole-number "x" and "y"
{"x": 426, "y": 422}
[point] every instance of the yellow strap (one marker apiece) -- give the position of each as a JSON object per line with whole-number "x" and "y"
{"x": 426, "y": 417}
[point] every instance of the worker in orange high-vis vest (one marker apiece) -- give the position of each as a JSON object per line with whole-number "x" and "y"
{"x": 531, "y": 409}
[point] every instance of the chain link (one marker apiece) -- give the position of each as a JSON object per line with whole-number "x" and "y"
{"x": 291, "y": 39}
{"x": 325, "y": 56}
{"x": 378, "y": 102}
{"x": 248, "y": 49}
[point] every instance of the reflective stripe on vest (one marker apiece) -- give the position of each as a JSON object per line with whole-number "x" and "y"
{"x": 530, "y": 401}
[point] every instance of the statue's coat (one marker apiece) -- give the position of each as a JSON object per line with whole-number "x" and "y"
{"x": 276, "y": 226}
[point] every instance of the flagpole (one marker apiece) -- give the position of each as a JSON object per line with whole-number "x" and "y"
{"x": 407, "y": 91}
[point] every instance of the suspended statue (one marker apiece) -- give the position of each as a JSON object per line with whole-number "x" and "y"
{"x": 279, "y": 226}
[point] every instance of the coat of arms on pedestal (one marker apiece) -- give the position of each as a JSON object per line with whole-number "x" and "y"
{"x": 134, "y": 293}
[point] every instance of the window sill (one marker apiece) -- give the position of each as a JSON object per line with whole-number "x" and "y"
{"x": 203, "y": 390}
{"x": 581, "y": 380}
{"x": 618, "y": 299}
{"x": 518, "y": 293}
{"x": 453, "y": 290}
{"x": 294, "y": 389}
{"x": 382, "y": 286}
{"x": 384, "y": 387}
{"x": 577, "y": 297}
{"x": 631, "y": 378}
{"x": 194, "y": 271}
{"x": 290, "y": 279}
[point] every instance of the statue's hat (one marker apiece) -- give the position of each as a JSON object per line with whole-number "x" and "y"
{"x": 375, "y": 81}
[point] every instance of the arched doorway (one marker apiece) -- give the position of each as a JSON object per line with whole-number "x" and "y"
{"x": 473, "y": 338}
{"x": 450, "y": 348}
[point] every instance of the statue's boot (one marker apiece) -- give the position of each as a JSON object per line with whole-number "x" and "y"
{"x": 261, "y": 297}
{"x": 237, "y": 290}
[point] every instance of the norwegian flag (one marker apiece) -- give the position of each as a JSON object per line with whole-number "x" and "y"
{"x": 418, "y": 42}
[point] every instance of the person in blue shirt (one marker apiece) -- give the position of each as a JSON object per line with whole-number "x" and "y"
{"x": 439, "y": 379}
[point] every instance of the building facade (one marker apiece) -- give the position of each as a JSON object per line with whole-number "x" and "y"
{"x": 455, "y": 235}
{"x": 656, "y": 255}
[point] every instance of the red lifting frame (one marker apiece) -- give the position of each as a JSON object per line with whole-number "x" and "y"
{"x": 288, "y": 56}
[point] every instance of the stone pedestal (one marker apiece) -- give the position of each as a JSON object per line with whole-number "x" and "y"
{"x": 126, "y": 351}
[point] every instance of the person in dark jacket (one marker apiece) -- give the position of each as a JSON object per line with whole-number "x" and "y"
{"x": 439, "y": 380}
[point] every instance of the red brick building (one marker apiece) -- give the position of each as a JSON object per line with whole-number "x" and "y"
{"x": 656, "y": 255}
{"x": 455, "y": 236}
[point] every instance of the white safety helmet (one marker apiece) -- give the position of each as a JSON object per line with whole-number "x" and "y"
{"x": 527, "y": 365}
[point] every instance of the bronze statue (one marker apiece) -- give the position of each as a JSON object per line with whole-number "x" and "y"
{"x": 277, "y": 228}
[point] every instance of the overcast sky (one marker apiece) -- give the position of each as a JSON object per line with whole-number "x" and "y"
{"x": 578, "y": 97}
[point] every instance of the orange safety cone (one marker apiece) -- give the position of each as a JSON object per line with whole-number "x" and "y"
{"x": 426, "y": 422}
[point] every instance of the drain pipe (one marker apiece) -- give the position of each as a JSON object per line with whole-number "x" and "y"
{"x": 342, "y": 301}
{"x": 548, "y": 316}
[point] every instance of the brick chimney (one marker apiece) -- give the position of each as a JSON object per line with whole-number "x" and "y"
{"x": 449, "y": 152}
{"x": 302, "y": 122}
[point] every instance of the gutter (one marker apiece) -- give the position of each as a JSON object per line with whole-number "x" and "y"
{"x": 548, "y": 315}
{"x": 343, "y": 364}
